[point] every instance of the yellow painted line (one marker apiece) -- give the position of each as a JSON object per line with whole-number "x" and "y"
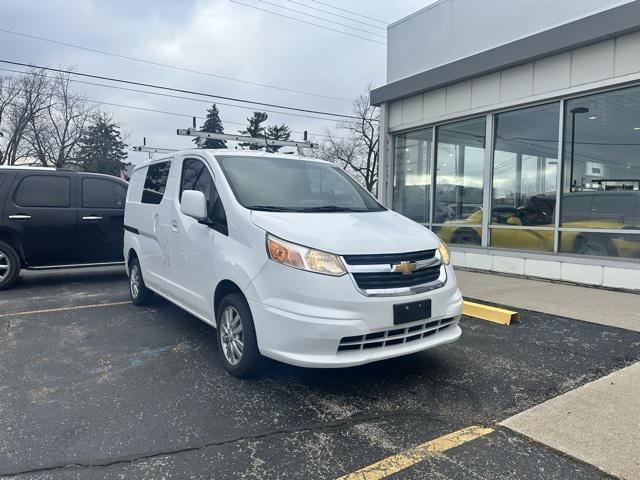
{"x": 394, "y": 464}
{"x": 64, "y": 309}
{"x": 492, "y": 314}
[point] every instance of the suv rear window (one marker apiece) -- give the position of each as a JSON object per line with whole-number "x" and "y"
{"x": 156, "y": 182}
{"x": 102, "y": 193}
{"x": 43, "y": 191}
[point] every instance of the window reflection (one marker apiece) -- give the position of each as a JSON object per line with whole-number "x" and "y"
{"x": 412, "y": 180}
{"x": 622, "y": 244}
{"x": 602, "y": 164}
{"x": 459, "y": 170}
{"x": 525, "y": 166}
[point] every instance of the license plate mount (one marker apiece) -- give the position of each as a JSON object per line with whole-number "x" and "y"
{"x": 411, "y": 312}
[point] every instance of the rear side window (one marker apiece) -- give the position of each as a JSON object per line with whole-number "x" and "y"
{"x": 155, "y": 183}
{"x": 102, "y": 193}
{"x": 43, "y": 191}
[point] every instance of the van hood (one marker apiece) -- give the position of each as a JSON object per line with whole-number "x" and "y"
{"x": 348, "y": 233}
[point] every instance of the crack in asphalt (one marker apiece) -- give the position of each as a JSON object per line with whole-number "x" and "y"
{"x": 335, "y": 425}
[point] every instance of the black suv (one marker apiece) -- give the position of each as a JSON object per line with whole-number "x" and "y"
{"x": 56, "y": 218}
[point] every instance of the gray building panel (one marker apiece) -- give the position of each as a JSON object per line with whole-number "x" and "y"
{"x": 607, "y": 24}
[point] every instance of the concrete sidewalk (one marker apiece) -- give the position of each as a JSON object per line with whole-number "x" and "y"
{"x": 598, "y": 423}
{"x": 606, "y": 307}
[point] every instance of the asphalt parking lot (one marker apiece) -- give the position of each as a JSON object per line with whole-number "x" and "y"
{"x": 94, "y": 387}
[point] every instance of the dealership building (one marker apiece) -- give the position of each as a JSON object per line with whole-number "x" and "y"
{"x": 530, "y": 110}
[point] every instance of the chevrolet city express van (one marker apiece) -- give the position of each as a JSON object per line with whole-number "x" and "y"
{"x": 289, "y": 258}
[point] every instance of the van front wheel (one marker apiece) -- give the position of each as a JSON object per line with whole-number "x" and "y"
{"x": 236, "y": 334}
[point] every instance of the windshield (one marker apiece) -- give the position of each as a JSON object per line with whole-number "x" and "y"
{"x": 292, "y": 185}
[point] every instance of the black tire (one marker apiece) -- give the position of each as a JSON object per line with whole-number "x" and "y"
{"x": 140, "y": 294}
{"x": 465, "y": 237}
{"x": 9, "y": 265}
{"x": 250, "y": 362}
{"x": 594, "y": 247}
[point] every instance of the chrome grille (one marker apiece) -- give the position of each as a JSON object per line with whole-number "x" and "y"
{"x": 375, "y": 280}
{"x": 396, "y": 273}
{"x": 394, "y": 336}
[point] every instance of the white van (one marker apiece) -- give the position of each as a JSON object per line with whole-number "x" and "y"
{"x": 288, "y": 257}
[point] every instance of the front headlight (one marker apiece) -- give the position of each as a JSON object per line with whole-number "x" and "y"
{"x": 443, "y": 250}
{"x": 304, "y": 258}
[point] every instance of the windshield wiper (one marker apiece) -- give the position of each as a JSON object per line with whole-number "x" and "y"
{"x": 271, "y": 208}
{"x": 330, "y": 208}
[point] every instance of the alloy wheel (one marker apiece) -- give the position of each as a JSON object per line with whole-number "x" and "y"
{"x": 135, "y": 281}
{"x": 5, "y": 266}
{"x": 231, "y": 335}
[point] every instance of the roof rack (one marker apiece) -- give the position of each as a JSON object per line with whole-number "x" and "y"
{"x": 192, "y": 132}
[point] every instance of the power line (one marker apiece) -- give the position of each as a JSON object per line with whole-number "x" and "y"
{"x": 179, "y": 97}
{"x": 328, "y": 12}
{"x": 308, "y": 23}
{"x": 337, "y": 15}
{"x": 164, "y": 65}
{"x": 322, "y": 18}
{"x": 180, "y": 90}
{"x": 186, "y": 115}
{"x": 349, "y": 11}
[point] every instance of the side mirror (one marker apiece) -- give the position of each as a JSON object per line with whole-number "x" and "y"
{"x": 194, "y": 204}
{"x": 513, "y": 221}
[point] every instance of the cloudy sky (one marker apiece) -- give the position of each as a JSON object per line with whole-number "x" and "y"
{"x": 311, "y": 67}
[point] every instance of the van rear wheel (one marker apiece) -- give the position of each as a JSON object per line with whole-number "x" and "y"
{"x": 236, "y": 336}
{"x": 9, "y": 265}
{"x": 140, "y": 294}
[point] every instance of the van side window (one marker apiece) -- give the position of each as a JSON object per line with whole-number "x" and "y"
{"x": 196, "y": 176}
{"x": 43, "y": 191}
{"x": 100, "y": 193}
{"x": 155, "y": 183}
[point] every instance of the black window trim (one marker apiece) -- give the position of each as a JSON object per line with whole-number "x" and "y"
{"x": 37, "y": 174}
{"x": 220, "y": 227}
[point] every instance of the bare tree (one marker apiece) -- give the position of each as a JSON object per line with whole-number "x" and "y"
{"x": 24, "y": 99}
{"x": 54, "y": 135}
{"x": 357, "y": 151}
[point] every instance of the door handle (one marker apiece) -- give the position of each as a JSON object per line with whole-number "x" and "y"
{"x": 174, "y": 226}
{"x": 91, "y": 218}
{"x": 19, "y": 217}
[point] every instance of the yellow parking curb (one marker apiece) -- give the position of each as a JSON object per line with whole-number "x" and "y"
{"x": 492, "y": 314}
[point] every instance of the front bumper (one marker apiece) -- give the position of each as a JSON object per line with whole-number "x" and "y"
{"x": 301, "y": 318}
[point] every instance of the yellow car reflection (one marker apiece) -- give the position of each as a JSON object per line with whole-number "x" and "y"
{"x": 468, "y": 232}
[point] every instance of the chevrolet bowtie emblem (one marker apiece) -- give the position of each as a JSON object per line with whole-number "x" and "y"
{"x": 404, "y": 267}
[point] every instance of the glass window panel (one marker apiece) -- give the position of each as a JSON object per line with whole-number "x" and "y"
{"x": 101, "y": 193}
{"x": 459, "y": 170}
{"x": 622, "y": 245}
{"x": 522, "y": 239}
{"x": 602, "y": 166}
{"x": 412, "y": 177}
{"x": 43, "y": 191}
{"x": 525, "y": 163}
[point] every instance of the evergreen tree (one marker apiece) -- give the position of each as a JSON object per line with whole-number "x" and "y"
{"x": 101, "y": 149}
{"x": 212, "y": 124}
{"x": 277, "y": 132}
{"x": 255, "y": 129}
